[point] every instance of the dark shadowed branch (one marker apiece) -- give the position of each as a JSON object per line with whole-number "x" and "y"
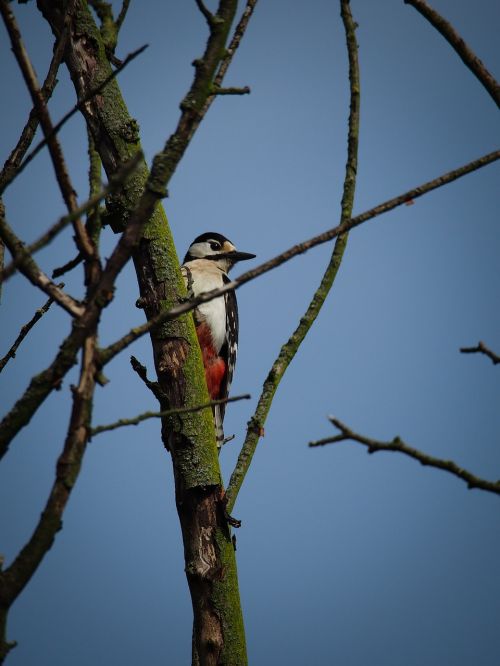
{"x": 206, "y": 13}
{"x": 481, "y": 348}
{"x": 25, "y": 330}
{"x": 83, "y": 242}
{"x": 168, "y": 412}
{"x": 121, "y": 16}
{"x": 115, "y": 183}
{"x": 81, "y": 104}
{"x": 397, "y": 444}
{"x": 142, "y": 373}
{"x": 238, "y": 34}
{"x": 16, "y": 576}
{"x": 468, "y": 57}
{"x": 32, "y": 271}
{"x": 226, "y": 59}
{"x": 13, "y": 161}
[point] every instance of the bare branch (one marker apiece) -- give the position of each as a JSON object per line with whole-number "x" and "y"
{"x": 288, "y": 351}
{"x": 482, "y": 349}
{"x": 397, "y": 444}
{"x": 19, "y": 573}
{"x": 25, "y": 330}
{"x": 239, "y": 31}
{"x": 142, "y": 372}
{"x": 81, "y": 104}
{"x": 44, "y": 383}
{"x": 121, "y": 16}
{"x": 168, "y": 412}
{"x": 68, "y": 266}
{"x": 83, "y": 242}
{"x": 189, "y": 305}
{"x": 115, "y": 182}
{"x": 210, "y": 18}
{"x": 31, "y": 270}
{"x": 231, "y": 91}
{"x": 40, "y": 386}
{"x": 12, "y": 163}
{"x": 468, "y": 57}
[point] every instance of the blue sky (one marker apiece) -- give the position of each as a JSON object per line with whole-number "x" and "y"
{"x": 343, "y": 558}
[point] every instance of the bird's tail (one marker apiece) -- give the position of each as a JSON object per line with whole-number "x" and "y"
{"x": 219, "y": 429}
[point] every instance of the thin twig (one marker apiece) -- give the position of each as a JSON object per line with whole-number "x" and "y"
{"x": 83, "y": 242}
{"x": 288, "y": 351}
{"x": 239, "y": 31}
{"x": 397, "y": 444}
{"x": 110, "y": 352}
{"x": 231, "y": 91}
{"x": 19, "y": 573}
{"x": 68, "y": 266}
{"x": 115, "y": 182}
{"x": 468, "y": 57}
{"x": 30, "y": 269}
{"x": 25, "y": 330}
{"x": 206, "y": 13}
{"x": 142, "y": 372}
{"x": 121, "y": 16}
{"x": 80, "y": 105}
{"x": 168, "y": 412}
{"x": 13, "y": 161}
{"x": 481, "y": 348}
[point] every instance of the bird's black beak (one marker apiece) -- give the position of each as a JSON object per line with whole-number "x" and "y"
{"x": 235, "y": 256}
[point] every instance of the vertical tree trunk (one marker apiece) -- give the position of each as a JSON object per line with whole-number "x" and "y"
{"x": 209, "y": 555}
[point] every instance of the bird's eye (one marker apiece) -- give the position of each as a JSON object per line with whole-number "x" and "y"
{"x": 215, "y": 245}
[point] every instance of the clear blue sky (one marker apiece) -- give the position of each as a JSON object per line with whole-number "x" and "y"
{"x": 344, "y": 558}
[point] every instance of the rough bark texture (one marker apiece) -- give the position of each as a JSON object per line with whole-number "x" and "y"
{"x": 210, "y": 559}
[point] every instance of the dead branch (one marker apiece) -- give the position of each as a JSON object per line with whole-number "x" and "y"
{"x": 30, "y": 269}
{"x": 79, "y": 106}
{"x": 115, "y": 182}
{"x": 97, "y": 430}
{"x": 481, "y": 348}
{"x": 14, "y": 579}
{"x": 25, "y": 330}
{"x": 12, "y": 163}
{"x": 397, "y": 444}
{"x": 468, "y": 57}
{"x": 83, "y": 242}
{"x": 142, "y": 373}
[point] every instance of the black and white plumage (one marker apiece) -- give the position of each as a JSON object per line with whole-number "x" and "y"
{"x": 206, "y": 265}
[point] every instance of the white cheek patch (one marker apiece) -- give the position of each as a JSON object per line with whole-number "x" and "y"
{"x": 200, "y": 250}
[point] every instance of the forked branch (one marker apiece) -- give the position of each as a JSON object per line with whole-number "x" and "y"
{"x": 481, "y": 348}
{"x": 397, "y": 444}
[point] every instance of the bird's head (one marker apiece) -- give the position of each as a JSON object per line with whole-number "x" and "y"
{"x": 217, "y": 248}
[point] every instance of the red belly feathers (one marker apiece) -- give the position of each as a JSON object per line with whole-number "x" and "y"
{"x": 215, "y": 366}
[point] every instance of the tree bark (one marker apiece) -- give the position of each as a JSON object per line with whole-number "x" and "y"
{"x": 209, "y": 553}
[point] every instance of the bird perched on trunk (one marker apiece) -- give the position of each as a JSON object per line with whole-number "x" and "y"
{"x": 208, "y": 260}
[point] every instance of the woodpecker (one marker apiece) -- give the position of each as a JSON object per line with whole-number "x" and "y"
{"x": 208, "y": 260}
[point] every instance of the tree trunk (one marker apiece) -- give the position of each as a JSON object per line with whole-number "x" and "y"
{"x": 209, "y": 554}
